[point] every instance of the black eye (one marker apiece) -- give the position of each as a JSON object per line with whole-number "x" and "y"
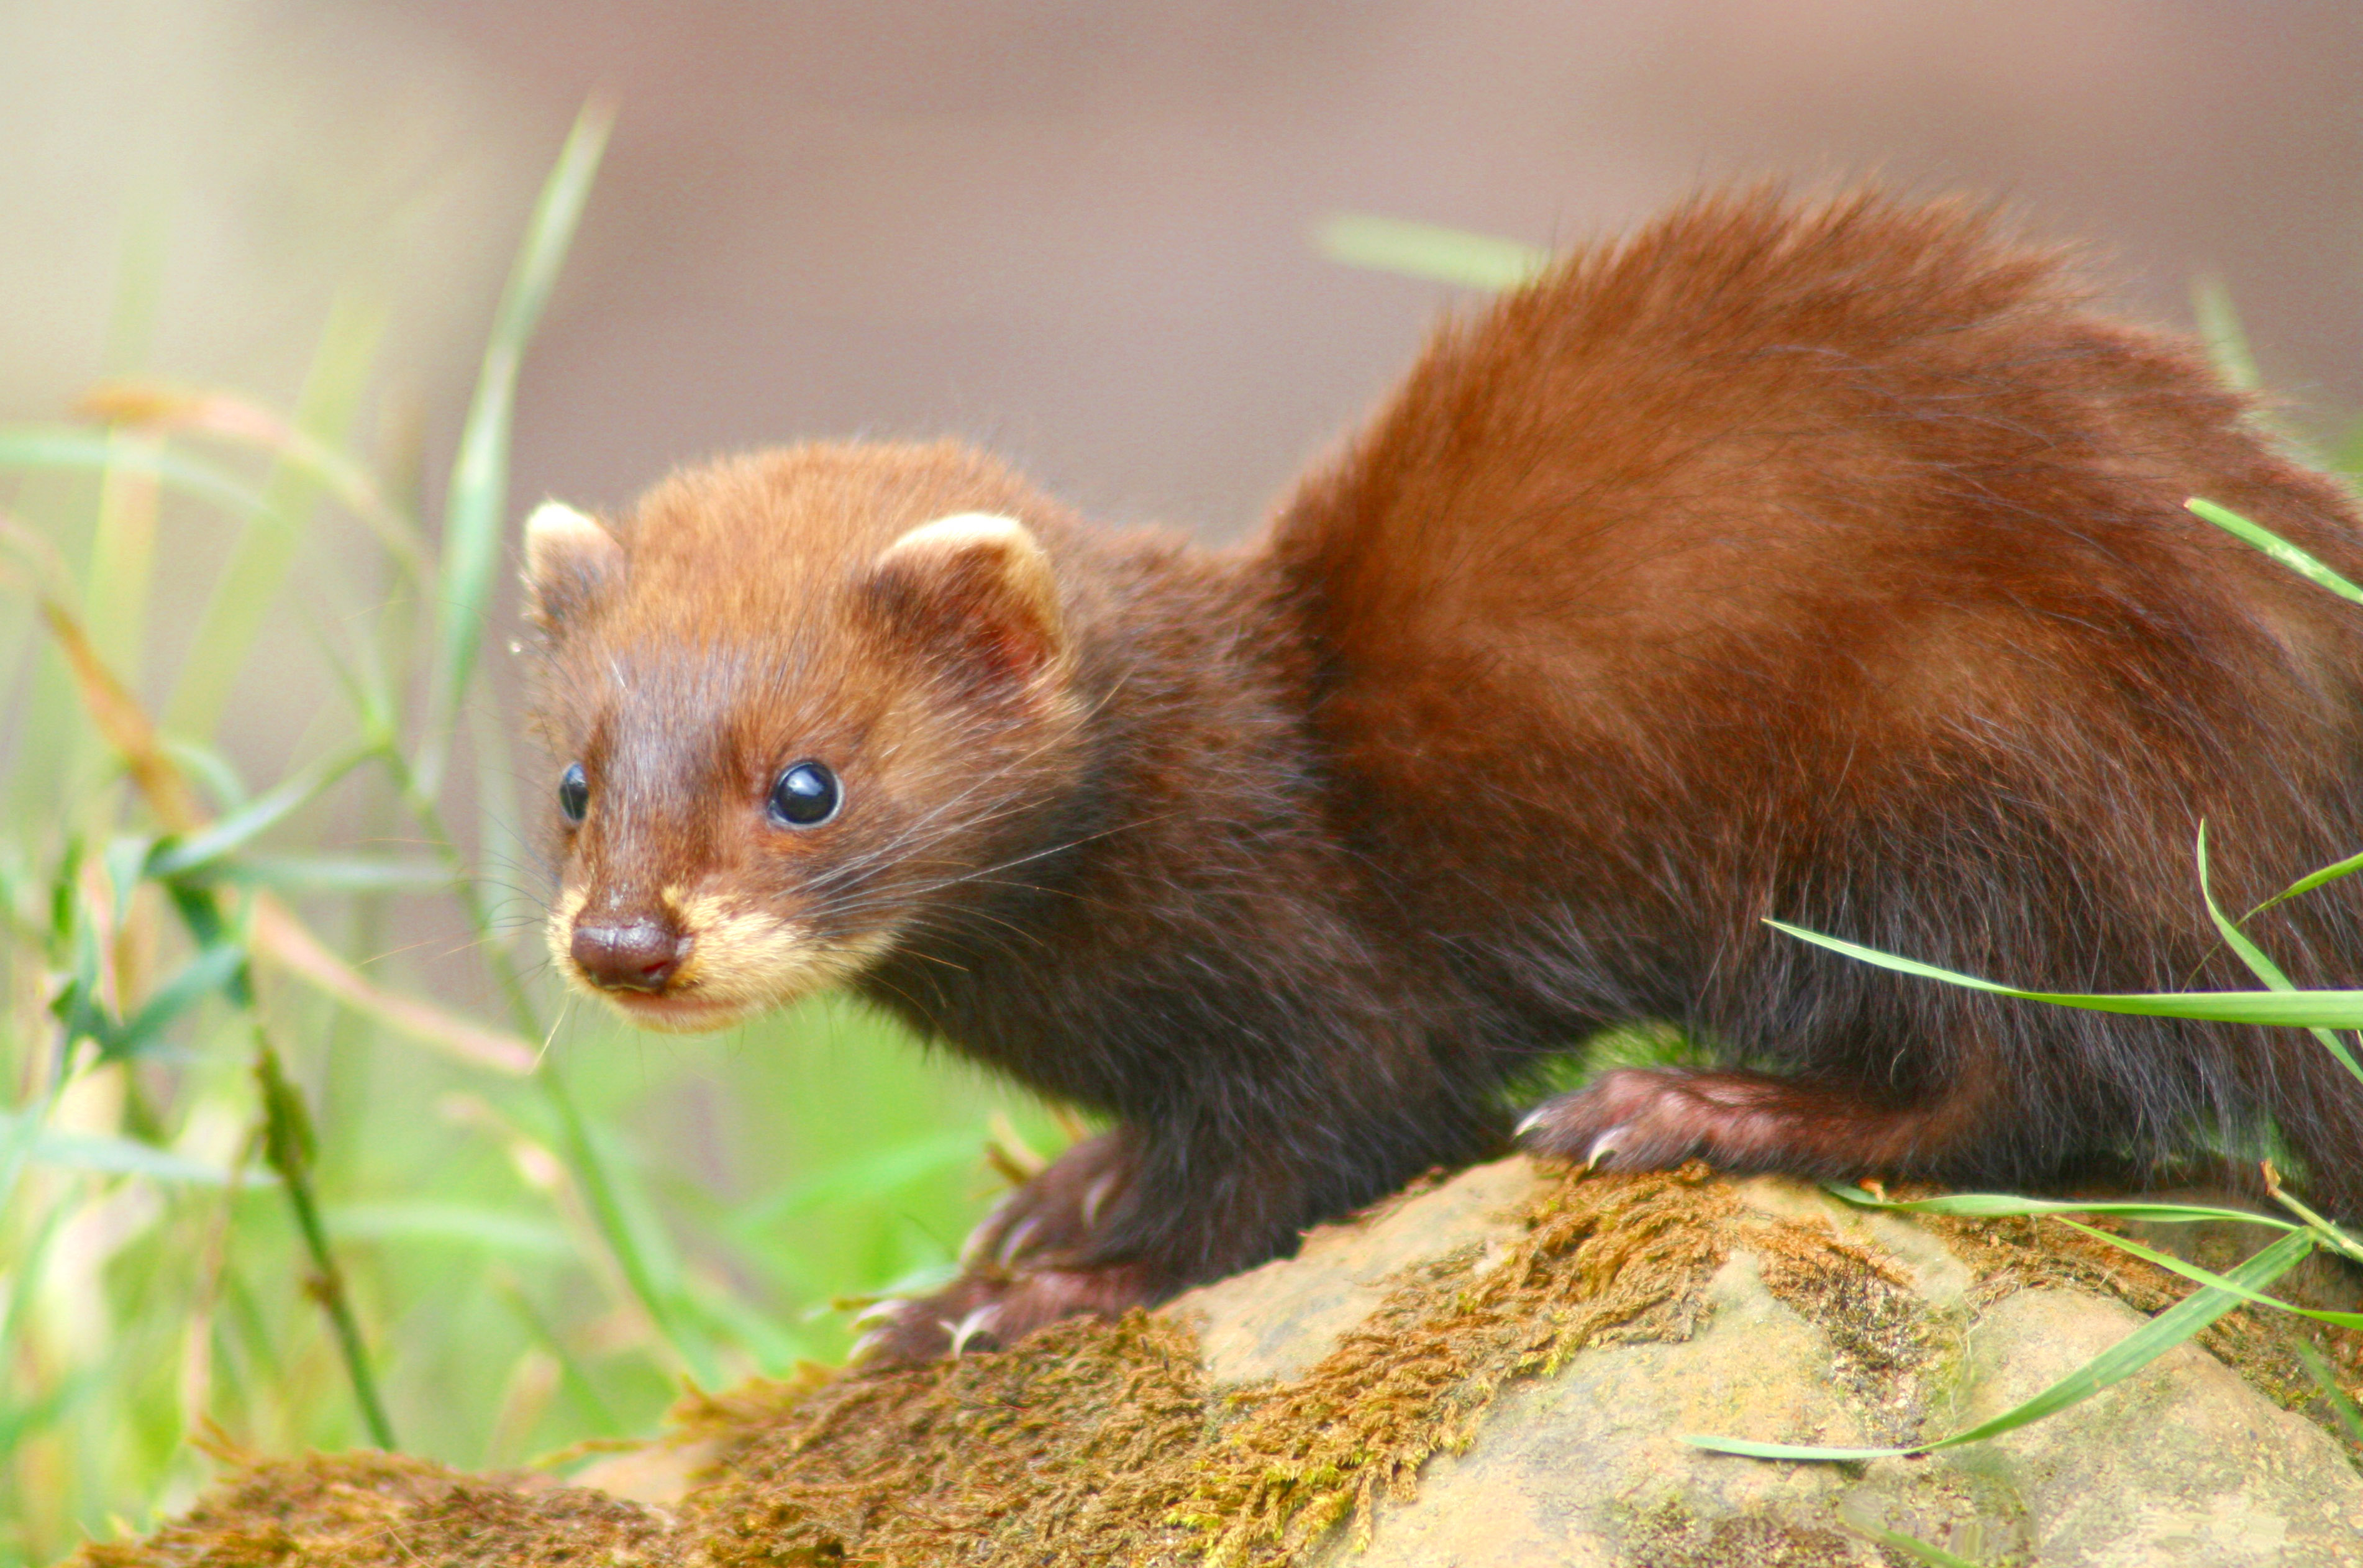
{"x": 805, "y": 796}
{"x": 573, "y": 793}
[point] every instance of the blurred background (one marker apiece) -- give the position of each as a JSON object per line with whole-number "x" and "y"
{"x": 1082, "y": 234}
{"x": 1080, "y": 231}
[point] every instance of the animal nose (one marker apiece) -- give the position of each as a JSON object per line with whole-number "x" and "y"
{"x": 639, "y": 955}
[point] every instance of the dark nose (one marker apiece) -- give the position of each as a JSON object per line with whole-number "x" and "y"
{"x": 640, "y": 955}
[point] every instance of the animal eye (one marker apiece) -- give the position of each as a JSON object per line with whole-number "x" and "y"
{"x": 573, "y": 793}
{"x": 805, "y": 796}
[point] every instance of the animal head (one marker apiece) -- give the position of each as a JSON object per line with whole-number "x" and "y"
{"x": 799, "y": 706}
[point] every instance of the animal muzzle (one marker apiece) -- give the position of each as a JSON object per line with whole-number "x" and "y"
{"x": 640, "y": 955}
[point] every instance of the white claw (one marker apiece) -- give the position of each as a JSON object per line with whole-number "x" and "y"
{"x": 980, "y": 1321}
{"x": 1013, "y": 1244}
{"x": 972, "y": 1249}
{"x": 1604, "y": 1146}
{"x": 863, "y": 1346}
{"x": 1534, "y": 1119}
{"x": 1097, "y": 1195}
{"x": 877, "y": 1311}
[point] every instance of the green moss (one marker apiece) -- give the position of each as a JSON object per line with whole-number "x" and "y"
{"x": 1092, "y": 1444}
{"x": 342, "y": 1510}
{"x": 1610, "y": 1260}
{"x": 1070, "y": 1450}
{"x": 1102, "y": 1442}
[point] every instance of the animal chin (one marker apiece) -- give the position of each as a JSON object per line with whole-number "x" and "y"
{"x": 678, "y": 1012}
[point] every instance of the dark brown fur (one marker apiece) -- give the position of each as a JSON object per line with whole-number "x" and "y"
{"x": 1825, "y": 562}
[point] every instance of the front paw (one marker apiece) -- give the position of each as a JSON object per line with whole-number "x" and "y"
{"x": 992, "y": 1307}
{"x": 1056, "y": 1214}
{"x": 1639, "y": 1118}
{"x": 1032, "y": 1261}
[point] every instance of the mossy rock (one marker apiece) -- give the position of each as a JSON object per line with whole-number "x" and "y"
{"x": 1492, "y": 1370}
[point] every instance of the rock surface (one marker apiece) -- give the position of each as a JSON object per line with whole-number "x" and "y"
{"x": 1496, "y": 1369}
{"x": 2186, "y": 1463}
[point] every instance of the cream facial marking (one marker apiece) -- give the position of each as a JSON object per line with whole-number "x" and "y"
{"x": 753, "y": 959}
{"x": 558, "y": 932}
{"x": 740, "y": 961}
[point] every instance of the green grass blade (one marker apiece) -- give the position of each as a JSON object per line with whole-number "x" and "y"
{"x": 105, "y": 1155}
{"x": 2308, "y": 882}
{"x": 869, "y": 1175}
{"x": 1991, "y": 1206}
{"x": 496, "y": 1230}
{"x": 319, "y": 460}
{"x": 209, "y": 768}
{"x": 291, "y": 1150}
{"x": 71, "y": 447}
{"x": 200, "y": 849}
{"x": 259, "y": 562}
{"x": 2298, "y": 560}
{"x": 122, "y": 562}
{"x": 478, "y": 502}
{"x": 2220, "y": 329}
{"x": 2338, "y": 1238}
{"x": 638, "y": 1247}
{"x": 580, "y": 1385}
{"x": 2261, "y": 966}
{"x": 20, "y": 1419}
{"x": 336, "y": 873}
{"x": 499, "y": 813}
{"x": 20, "y": 1132}
{"x": 1912, "y": 1546}
{"x": 2198, "y": 1275}
{"x": 1426, "y": 250}
{"x": 2342, "y": 1404}
{"x": 2119, "y": 1361}
{"x": 2300, "y": 1009}
{"x": 221, "y": 967}
{"x": 775, "y": 1347}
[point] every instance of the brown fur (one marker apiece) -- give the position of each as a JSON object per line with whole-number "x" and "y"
{"x": 1825, "y": 562}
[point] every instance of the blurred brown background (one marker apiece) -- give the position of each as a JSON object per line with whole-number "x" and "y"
{"x": 1075, "y": 232}
{"x": 1078, "y": 231}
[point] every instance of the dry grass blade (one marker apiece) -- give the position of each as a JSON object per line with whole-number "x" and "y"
{"x": 153, "y": 406}
{"x": 125, "y": 724}
{"x": 276, "y": 935}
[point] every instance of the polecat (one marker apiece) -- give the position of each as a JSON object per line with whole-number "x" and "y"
{"x": 1821, "y": 562}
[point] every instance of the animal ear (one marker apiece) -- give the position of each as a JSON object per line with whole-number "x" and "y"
{"x": 570, "y": 562}
{"x": 980, "y": 588}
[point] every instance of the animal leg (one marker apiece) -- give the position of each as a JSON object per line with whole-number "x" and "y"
{"x": 1031, "y": 1262}
{"x": 1653, "y": 1119}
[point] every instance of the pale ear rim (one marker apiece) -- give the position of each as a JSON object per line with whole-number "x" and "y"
{"x": 554, "y": 529}
{"x": 570, "y": 558}
{"x": 1022, "y": 566}
{"x": 984, "y": 562}
{"x": 958, "y": 531}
